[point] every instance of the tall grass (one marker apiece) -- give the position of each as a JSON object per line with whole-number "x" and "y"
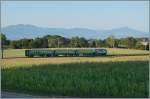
{"x": 111, "y": 79}
{"x": 23, "y": 62}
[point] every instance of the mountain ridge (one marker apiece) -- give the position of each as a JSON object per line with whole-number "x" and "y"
{"x": 20, "y": 31}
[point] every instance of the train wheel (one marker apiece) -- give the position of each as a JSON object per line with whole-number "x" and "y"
{"x": 31, "y": 56}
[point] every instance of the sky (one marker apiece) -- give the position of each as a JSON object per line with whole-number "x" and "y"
{"x": 99, "y": 15}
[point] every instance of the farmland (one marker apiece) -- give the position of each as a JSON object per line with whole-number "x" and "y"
{"x": 16, "y": 57}
{"x": 112, "y": 79}
{"x": 112, "y": 76}
{"x": 111, "y": 51}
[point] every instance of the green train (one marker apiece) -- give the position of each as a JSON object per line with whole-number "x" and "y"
{"x": 55, "y": 53}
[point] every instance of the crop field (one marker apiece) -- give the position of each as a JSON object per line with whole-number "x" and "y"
{"x": 112, "y": 79}
{"x": 107, "y": 76}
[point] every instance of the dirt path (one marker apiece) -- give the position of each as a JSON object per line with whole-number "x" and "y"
{"x": 5, "y": 94}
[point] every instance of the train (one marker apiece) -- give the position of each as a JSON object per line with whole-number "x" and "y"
{"x": 65, "y": 53}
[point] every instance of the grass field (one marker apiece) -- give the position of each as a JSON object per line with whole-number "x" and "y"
{"x": 15, "y": 62}
{"x": 112, "y": 79}
{"x": 111, "y": 76}
{"x": 16, "y": 57}
{"x": 9, "y": 53}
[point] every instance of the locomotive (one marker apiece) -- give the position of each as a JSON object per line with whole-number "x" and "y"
{"x": 56, "y": 53}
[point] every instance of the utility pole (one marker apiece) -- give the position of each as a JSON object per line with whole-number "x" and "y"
{"x": 1, "y": 48}
{"x": 58, "y": 42}
{"x": 113, "y": 41}
{"x": 2, "y": 52}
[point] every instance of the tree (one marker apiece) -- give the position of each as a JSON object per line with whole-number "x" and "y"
{"x": 116, "y": 43}
{"x": 122, "y": 43}
{"x": 26, "y": 43}
{"x": 74, "y": 42}
{"x": 30, "y": 44}
{"x": 91, "y": 43}
{"x": 147, "y": 47}
{"x": 37, "y": 43}
{"x": 53, "y": 42}
{"x": 44, "y": 42}
{"x": 56, "y": 41}
{"x": 130, "y": 42}
{"x": 110, "y": 41}
{"x": 99, "y": 43}
{"x": 83, "y": 42}
{"x": 139, "y": 46}
{"x": 16, "y": 44}
{"x": 63, "y": 42}
{"x": 3, "y": 42}
{"x": 3, "y": 39}
{"x": 78, "y": 42}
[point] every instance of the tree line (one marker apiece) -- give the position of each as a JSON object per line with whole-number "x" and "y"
{"x": 55, "y": 41}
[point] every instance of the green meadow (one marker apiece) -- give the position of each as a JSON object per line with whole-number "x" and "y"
{"x": 120, "y": 76}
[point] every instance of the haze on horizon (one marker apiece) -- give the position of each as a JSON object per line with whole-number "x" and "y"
{"x": 98, "y": 15}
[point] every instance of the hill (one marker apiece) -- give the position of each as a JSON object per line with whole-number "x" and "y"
{"x": 30, "y": 31}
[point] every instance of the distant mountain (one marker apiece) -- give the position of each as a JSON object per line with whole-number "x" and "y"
{"x": 30, "y": 31}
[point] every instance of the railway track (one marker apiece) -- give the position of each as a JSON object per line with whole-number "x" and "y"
{"x": 117, "y": 55}
{"x": 128, "y": 55}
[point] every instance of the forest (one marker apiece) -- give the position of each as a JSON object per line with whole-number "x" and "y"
{"x": 56, "y": 41}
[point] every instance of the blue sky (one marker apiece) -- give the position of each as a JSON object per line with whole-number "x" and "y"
{"x": 98, "y": 15}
